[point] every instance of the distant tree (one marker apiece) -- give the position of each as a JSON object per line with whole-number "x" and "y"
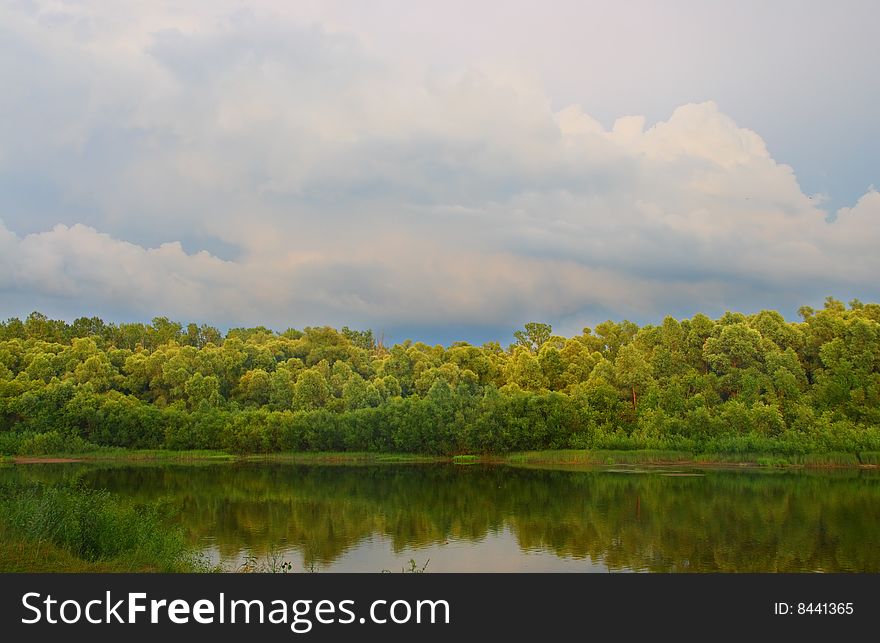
{"x": 694, "y": 383}
{"x": 311, "y": 391}
{"x": 533, "y": 336}
{"x": 203, "y": 392}
{"x": 632, "y": 370}
{"x": 360, "y": 338}
{"x": 834, "y": 304}
{"x": 612, "y": 336}
{"x": 163, "y": 331}
{"x": 12, "y": 328}
{"x": 87, "y": 327}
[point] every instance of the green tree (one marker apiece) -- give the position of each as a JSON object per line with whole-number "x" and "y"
{"x": 533, "y": 336}
{"x": 632, "y": 371}
{"x": 203, "y": 392}
{"x": 311, "y": 390}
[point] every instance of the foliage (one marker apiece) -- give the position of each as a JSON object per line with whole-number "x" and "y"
{"x": 92, "y": 525}
{"x": 738, "y": 384}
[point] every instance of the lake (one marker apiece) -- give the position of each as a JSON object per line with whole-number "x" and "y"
{"x": 501, "y": 518}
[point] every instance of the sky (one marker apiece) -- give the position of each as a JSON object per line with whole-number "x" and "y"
{"x": 438, "y": 171}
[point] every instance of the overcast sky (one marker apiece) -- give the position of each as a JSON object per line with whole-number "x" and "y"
{"x": 436, "y": 170}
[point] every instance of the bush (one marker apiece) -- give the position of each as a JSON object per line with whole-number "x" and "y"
{"x": 52, "y": 442}
{"x": 10, "y": 443}
{"x": 93, "y": 525}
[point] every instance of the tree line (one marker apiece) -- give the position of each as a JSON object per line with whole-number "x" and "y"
{"x": 739, "y": 383}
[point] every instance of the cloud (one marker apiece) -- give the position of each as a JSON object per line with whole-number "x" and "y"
{"x": 252, "y": 167}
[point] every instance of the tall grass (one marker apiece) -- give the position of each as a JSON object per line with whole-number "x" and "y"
{"x": 832, "y": 459}
{"x": 94, "y": 526}
{"x": 668, "y": 456}
{"x": 601, "y": 456}
{"x": 744, "y": 457}
{"x": 342, "y": 457}
{"x": 870, "y": 457}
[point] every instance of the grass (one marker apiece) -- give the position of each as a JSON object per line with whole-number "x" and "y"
{"x": 412, "y": 567}
{"x": 740, "y": 457}
{"x": 161, "y": 455}
{"x": 561, "y": 456}
{"x": 114, "y": 454}
{"x": 774, "y": 461}
{"x": 578, "y": 456}
{"x": 610, "y": 457}
{"x": 829, "y": 460}
{"x": 73, "y": 528}
{"x": 870, "y": 458}
{"x": 18, "y": 555}
{"x": 832, "y": 459}
{"x": 743, "y": 458}
{"x": 343, "y": 457}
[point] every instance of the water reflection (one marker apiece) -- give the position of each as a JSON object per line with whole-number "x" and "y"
{"x": 484, "y": 518}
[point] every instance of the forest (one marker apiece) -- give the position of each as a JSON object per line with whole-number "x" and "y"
{"x": 739, "y": 383}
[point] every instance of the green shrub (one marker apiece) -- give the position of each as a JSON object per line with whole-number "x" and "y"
{"x": 52, "y": 442}
{"x": 10, "y": 443}
{"x": 93, "y": 525}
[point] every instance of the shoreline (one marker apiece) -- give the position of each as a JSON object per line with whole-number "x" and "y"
{"x": 641, "y": 457}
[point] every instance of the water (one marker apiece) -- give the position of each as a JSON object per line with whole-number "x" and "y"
{"x": 500, "y": 518}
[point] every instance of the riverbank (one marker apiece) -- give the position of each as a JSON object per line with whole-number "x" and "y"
{"x": 160, "y": 456}
{"x": 870, "y": 459}
{"x": 71, "y": 528}
{"x": 122, "y": 455}
{"x": 20, "y": 555}
{"x": 866, "y": 460}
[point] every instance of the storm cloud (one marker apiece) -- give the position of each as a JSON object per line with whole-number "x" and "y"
{"x": 254, "y": 166}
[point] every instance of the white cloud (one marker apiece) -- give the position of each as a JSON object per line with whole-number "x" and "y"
{"x": 359, "y": 189}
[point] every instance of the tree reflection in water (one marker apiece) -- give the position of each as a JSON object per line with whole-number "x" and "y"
{"x": 732, "y": 521}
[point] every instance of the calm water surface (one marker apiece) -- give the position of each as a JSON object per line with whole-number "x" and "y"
{"x": 499, "y": 518}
